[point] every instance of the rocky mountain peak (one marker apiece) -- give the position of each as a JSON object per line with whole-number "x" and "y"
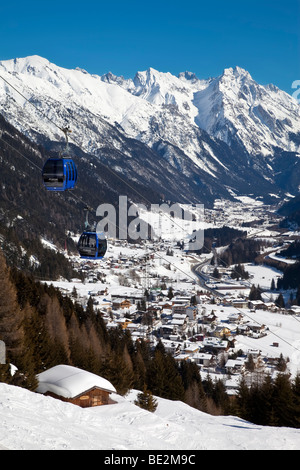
{"x": 188, "y": 122}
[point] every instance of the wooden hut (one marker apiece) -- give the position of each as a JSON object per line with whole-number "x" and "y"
{"x": 77, "y": 386}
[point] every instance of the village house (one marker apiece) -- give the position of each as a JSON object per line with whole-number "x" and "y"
{"x": 256, "y": 328}
{"x": 191, "y": 312}
{"x": 294, "y": 310}
{"x": 121, "y": 303}
{"x": 172, "y": 347}
{"x": 231, "y": 386}
{"x": 239, "y": 303}
{"x": 182, "y": 357}
{"x": 202, "y": 359}
{"x": 179, "y": 323}
{"x": 235, "y": 317}
{"x": 257, "y": 305}
{"x": 76, "y": 386}
{"x": 166, "y": 330}
{"x": 271, "y": 359}
{"x": 243, "y": 329}
{"x": 235, "y": 366}
{"x": 191, "y": 349}
{"x": 208, "y": 318}
{"x": 213, "y": 344}
{"x": 154, "y": 310}
{"x": 103, "y": 304}
{"x": 202, "y": 297}
{"x": 179, "y": 306}
{"x": 271, "y": 306}
{"x": 165, "y": 305}
{"x": 255, "y": 353}
{"x": 123, "y": 322}
{"x": 222, "y": 331}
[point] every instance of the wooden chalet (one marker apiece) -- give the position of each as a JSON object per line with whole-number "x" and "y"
{"x": 75, "y": 386}
{"x": 121, "y": 303}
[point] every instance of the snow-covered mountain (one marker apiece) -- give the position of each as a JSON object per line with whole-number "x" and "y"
{"x": 230, "y": 107}
{"x": 233, "y": 107}
{"x": 221, "y": 136}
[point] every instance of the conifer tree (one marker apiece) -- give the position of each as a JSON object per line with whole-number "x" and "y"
{"x": 173, "y": 386}
{"x": 255, "y": 293}
{"x": 283, "y": 401}
{"x": 170, "y": 293}
{"x": 208, "y": 386}
{"x": 296, "y": 400}
{"x": 242, "y": 400}
{"x": 11, "y": 315}
{"x": 194, "y": 393}
{"x": 255, "y": 406}
{"x": 163, "y": 378}
{"x": 55, "y": 324}
{"x": 38, "y": 349}
{"x": 262, "y": 403}
{"x": 146, "y": 400}
{"x": 220, "y": 397}
{"x": 249, "y": 364}
{"x": 5, "y": 373}
{"x": 139, "y": 361}
{"x": 280, "y": 301}
{"x": 115, "y": 370}
{"x": 281, "y": 364}
{"x": 155, "y": 375}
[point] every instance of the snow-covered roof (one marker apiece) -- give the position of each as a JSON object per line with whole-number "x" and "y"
{"x": 69, "y": 382}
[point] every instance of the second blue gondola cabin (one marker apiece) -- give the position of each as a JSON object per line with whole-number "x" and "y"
{"x": 92, "y": 245}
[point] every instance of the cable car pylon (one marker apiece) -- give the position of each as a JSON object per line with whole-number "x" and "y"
{"x": 60, "y": 174}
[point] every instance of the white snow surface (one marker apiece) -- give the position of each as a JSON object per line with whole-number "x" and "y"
{"x": 31, "y": 421}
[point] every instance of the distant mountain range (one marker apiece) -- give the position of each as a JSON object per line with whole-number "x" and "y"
{"x": 189, "y": 140}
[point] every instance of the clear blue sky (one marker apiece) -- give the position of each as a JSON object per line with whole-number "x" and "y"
{"x": 171, "y": 36}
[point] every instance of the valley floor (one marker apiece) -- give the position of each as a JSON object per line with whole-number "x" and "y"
{"x": 221, "y": 323}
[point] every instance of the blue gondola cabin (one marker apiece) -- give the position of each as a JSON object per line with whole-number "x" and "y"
{"x": 92, "y": 245}
{"x": 59, "y": 174}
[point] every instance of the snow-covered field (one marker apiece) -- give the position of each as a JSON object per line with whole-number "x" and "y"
{"x": 30, "y": 421}
{"x": 282, "y": 329}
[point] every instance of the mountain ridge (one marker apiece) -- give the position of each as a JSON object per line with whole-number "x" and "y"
{"x": 211, "y": 131}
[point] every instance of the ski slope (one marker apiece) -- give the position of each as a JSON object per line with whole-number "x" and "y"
{"x": 30, "y": 421}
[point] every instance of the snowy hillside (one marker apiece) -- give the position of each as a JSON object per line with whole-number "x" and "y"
{"x": 209, "y": 131}
{"x": 30, "y": 421}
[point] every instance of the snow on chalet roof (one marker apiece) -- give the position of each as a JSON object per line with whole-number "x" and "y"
{"x": 69, "y": 382}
